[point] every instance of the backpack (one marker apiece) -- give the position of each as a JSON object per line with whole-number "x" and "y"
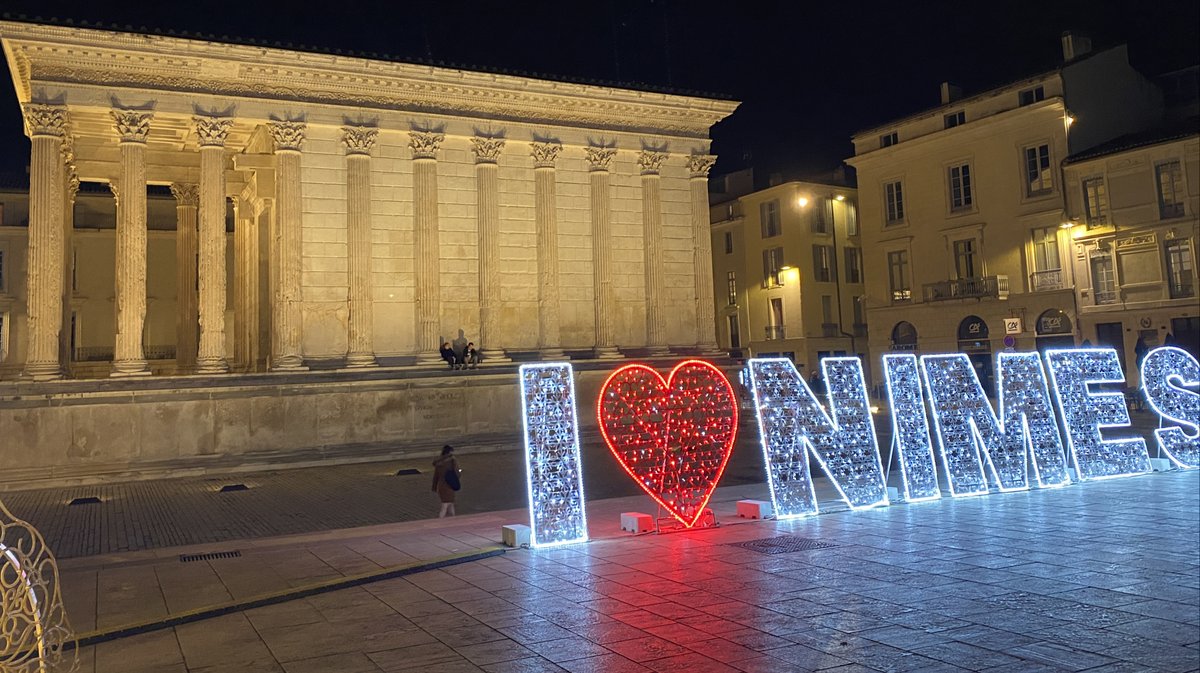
{"x": 451, "y": 478}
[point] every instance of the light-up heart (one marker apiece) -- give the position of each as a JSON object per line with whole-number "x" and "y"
{"x": 672, "y": 436}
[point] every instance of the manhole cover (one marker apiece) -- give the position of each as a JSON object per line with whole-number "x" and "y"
{"x": 782, "y": 544}
{"x": 86, "y": 500}
{"x": 407, "y": 471}
{"x": 188, "y": 558}
{"x": 231, "y": 488}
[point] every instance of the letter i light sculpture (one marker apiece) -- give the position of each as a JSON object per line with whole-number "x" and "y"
{"x": 554, "y": 473}
{"x": 674, "y": 435}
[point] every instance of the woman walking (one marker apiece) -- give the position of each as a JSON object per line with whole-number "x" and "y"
{"x": 445, "y": 479}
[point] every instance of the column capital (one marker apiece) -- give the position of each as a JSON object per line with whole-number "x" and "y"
{"x": 212, "y": 131}
{"x": 700, "y": 164}
{"x": 133, "y": 126}
{"x": 45, "y": 120}
{"x": 359, "y": 139}
{"x": 487, "y": 150}
{"x": 651, "y": 161}
{"x": 287, "y": 135}
{"x": 186, "y": 194}
{"x": 425, "y": 144}
{"x": 544, "y": 154}
{"x": 599, "y": 157}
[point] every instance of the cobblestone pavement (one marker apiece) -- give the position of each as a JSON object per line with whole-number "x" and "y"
{"x": 1101, "y": 577}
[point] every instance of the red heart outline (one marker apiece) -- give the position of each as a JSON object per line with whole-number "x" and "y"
{"x": 664, "y": 408}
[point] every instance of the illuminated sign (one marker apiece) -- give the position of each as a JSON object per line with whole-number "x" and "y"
{"x": 554, "y": 473}
{"x": 1167, "y": 373}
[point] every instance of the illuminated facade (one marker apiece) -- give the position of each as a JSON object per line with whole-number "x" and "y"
{"x": 962, "y": 208}
{"x": 788, "y": 272}
{"x": 1134, "y": 207}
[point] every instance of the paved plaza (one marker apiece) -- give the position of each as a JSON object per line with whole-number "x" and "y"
{"x": 1100, "y": 577}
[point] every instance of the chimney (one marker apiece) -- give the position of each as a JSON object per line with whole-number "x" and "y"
{"x": 1075, "y": 45}
{"x": 950, "y": 93}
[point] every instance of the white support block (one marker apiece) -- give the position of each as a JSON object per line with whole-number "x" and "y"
{"x": 754, "y": 509}
{"x": 1161, "y": 464}
{"x": 515, "y": 535}
{"x": 893, "y": 494}
{"x": 636, "y": 522}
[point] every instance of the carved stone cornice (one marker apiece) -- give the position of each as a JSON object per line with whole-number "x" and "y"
{"x": 186, "y": 194}
{"x": 212, "y": 131}
{"x": 651, "y": 161}
{"x": 544, "y": 154}
{"x": 45, "y": 120}
{"x": 425, "y": 144}
{"x": 359, "y": 139}
{"x": 487, "y": 150}
{"x": 72, "y": 186}
{"x": 599, "y": 157}
{"x": 58, "y": 55}
{"x": 700, "y": 164}
{"x": 287, "y": 135}
{"x": 133, "y": 126}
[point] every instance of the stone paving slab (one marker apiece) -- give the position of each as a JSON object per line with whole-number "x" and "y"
{"x": 1095, "y": 577}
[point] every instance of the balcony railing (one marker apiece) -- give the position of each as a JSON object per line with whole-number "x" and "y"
{"x": 775, "y": 332}
{"x": 995, "y": 287}
{"x": 829, "y": 329}
{"x": 860, "y": 329}
{"x": 1041, "y": 281}
{"x": 1182, "y": 290}
{"x": 1105, "y": 296}
{"x": 105, "y": 353}
{"x": 902, "y": 296}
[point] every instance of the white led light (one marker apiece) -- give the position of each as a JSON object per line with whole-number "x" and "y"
{"x": 960, "y": 415}
{"x": 1167, "y": 373}
{"x": 1085, "y": 413}
{"x": 1026, "y": 411}
{"x": 554, "y": 472}
{"x": 910, "y": 431}
{"x": 792, "y": 424}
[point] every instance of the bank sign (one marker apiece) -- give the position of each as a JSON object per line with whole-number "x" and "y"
{"x": 673, "y": 435}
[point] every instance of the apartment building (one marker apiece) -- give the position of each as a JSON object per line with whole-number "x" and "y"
{"x": 962, "y": 208}
{"x": 1133, "y": 207}
{"x": 788, "y": 271}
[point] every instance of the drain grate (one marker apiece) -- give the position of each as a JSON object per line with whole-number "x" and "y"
{"x": 407, "y": 471}
{"x": 188, "y": 558}
{"x": 782, "y": 544}
{"x": 87, "y": 500}
{"x": 230, "y": 488}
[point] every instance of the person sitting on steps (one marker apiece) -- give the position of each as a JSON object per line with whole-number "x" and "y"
{"x": 471, "y": 355}
{"x": 448, "y": 355}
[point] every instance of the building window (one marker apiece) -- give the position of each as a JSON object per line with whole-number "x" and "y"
{"x": 960, "y": 187}
{"x": 1104, "y": 279}
{"x": 772, "y": 261}
{"x": 1095, "y": 202}
{"x": 775, "y": 319}
{"x": 3, "y": 274}
{"x": 822, "y": 216}
{"x": 823, "y": 263}
{"x": 729, "y": 243}
{"x": 731, "y": 285}
{"x": 964, "y": 258}
{"x": 860, "y": 320}
{"x": 1180, "y": 269}
{"x": 898, "y": 276}
{"x": 1038, "y": 179}
{"x": 828, "y": 327}
{"x": 955, "y": 119}
{"x": 1031, "y": 96}
{"x": 853, "y": 265}
{"x": 893, "y": 196}
{"x": 3, "y": 337}
{"x": 1170, "y": 189}
{"x": 851, "y": 219}
{"x": 888, "y": 139}
{"x": 769, "y": 212}
{"x": 1047, "y": 269}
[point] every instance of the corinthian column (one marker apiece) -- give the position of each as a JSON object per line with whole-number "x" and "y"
{"x": 598, "y": 160}
{"x": 706, "y": 326}
{"x": 545, "y": 215}
{"x": 358, "y": 142}
{"x": 285, "y": 318}
{"x": 212, "y": 131}
{"x": 424, "y": 146}
{"x": 487, "y": 188}
{"x": 133, "y": 127}
{"x": 68, "y": 283}
{"x": 656, "y": 323}
{"x": 187, "y": 316}
{"x": 44, "y": 264}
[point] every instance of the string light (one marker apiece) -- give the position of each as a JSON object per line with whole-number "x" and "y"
{"x": 910, "y": 430}
{"x": 1167, "y": 373}
{"x": 1085, "y": 413}
{"x": 792, "y": 424}
{"x": 673, "y": 436}
{"x": 554, "y": 472}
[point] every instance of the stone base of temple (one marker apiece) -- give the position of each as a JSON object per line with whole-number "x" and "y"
{"x": 360, "y": 360}
{"x": 552, "y": 355}
{"x": 607, "y": 353}
{"x": 48, "y": 371}
{"x": 209, "y": 367}
{"x": 128, "y": 368}
{"x": 657, "y": 351}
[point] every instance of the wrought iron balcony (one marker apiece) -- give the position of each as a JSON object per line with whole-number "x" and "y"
{"x": 994, "y": 287}
{"x": 775, "y": 332}
{"x": 1105, "y": 296}
{"x": 829, "y": 329}
{"x": 1182, "y": 289}
{"x": 1041, "y": 281}
{"x": 901, "y": 296}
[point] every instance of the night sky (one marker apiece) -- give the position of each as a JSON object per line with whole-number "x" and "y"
{"x": 809, "y": 74}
